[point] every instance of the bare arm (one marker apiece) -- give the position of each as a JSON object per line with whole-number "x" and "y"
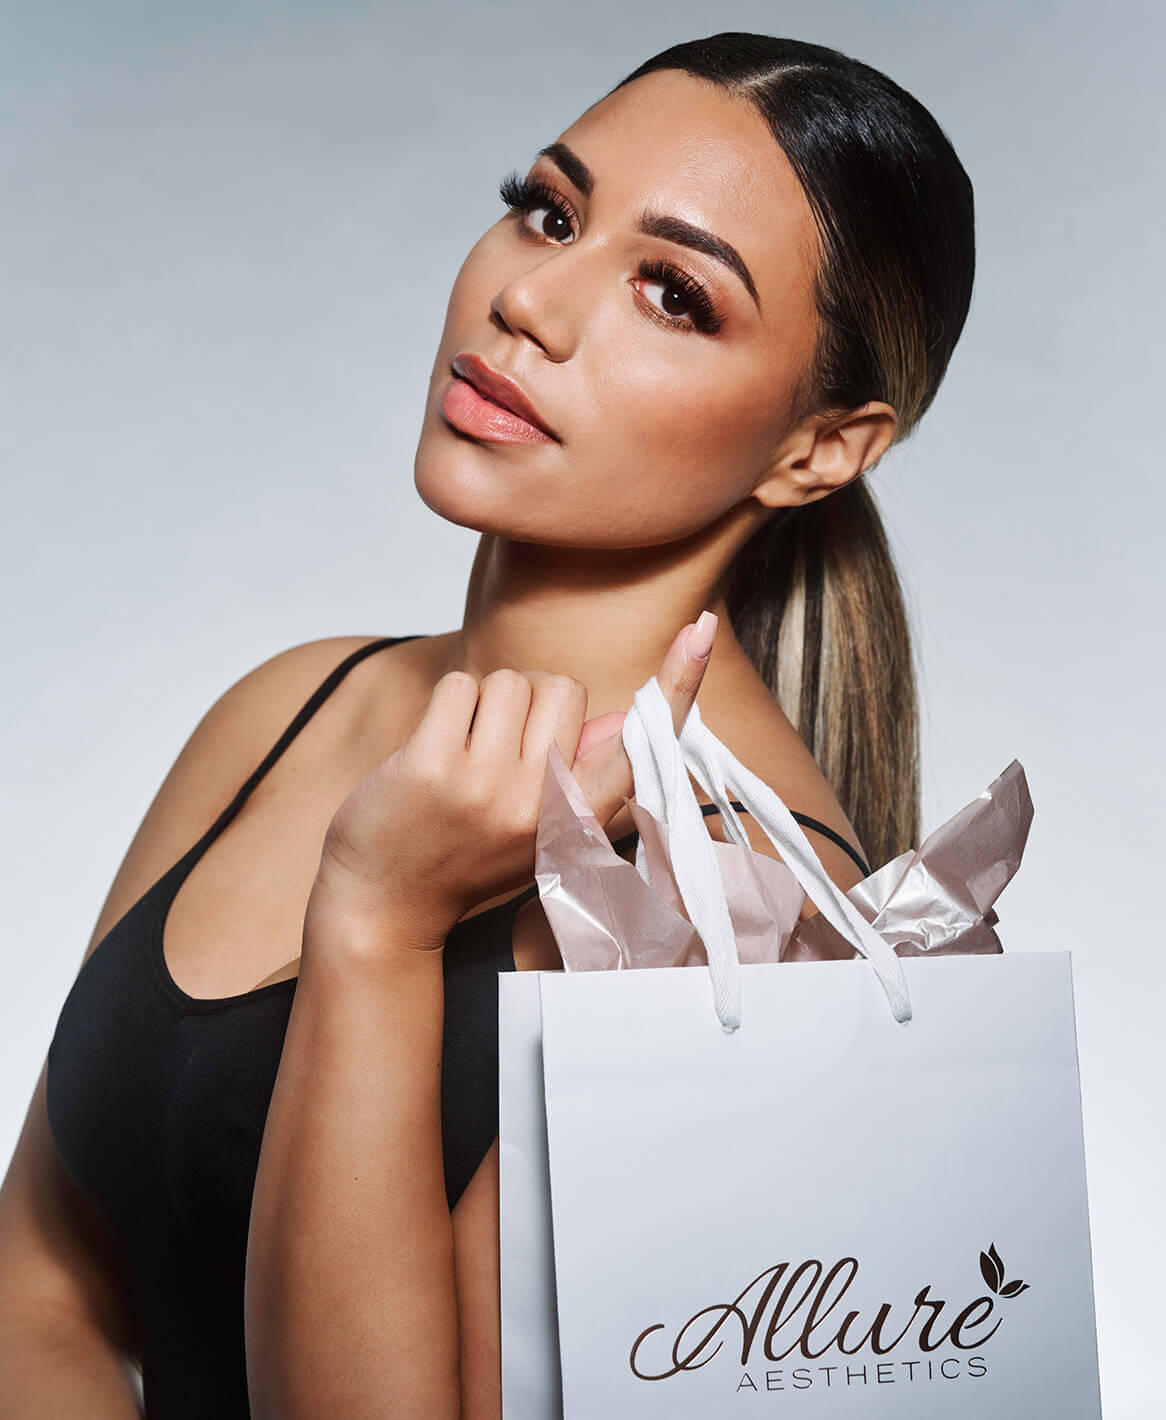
{"x": 66, "y": 1346}
{"x": 350, "y": 1303}
{"x": 55, "y": 1367}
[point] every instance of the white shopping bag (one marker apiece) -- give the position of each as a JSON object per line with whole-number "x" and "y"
{"x": 850, "y": 1191}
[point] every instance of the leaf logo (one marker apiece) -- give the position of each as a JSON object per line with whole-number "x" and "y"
{"x": 993, "y": 1272}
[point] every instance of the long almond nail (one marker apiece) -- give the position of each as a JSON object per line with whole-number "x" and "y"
{"x": 700, "y": 638}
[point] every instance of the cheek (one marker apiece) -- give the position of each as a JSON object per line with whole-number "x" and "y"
{"x": 690, "y": 427}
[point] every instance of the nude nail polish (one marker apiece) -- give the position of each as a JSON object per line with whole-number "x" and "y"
{"x": 700, "y": 638}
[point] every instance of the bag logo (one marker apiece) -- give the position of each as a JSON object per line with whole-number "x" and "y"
{"x": 803, "y": 1320}
{"x": 993, "y": 1270}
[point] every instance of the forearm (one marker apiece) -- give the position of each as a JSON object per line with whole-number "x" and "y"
{"x": 350, "y": 1303}
{"x": 50, "y": 1367}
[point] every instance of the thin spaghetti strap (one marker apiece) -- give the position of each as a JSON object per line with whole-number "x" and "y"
{"x": 315, "y": 700}
{"x": 807, "y": 822}
{"x": 303, "y": 715}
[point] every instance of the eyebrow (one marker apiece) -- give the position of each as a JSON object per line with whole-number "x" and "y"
{"x": 656, "y": 224}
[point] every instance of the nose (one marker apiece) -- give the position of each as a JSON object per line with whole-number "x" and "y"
{"x": 536, "y": 303}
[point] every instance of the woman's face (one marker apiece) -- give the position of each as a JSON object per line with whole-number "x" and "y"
{"x": 668, "y": 389}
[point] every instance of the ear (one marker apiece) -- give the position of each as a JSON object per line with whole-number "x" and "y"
{"x": 824, "y": 454}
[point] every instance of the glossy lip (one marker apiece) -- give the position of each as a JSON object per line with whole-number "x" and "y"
{"x": 500, "y": 389}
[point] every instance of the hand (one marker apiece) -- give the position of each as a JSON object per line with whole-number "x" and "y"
{"x": 450, "y": 819}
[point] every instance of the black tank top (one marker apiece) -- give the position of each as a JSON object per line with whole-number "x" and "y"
{"x": 157, "y": 1100}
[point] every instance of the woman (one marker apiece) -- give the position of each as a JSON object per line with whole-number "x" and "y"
{"x": 713, "y": 304}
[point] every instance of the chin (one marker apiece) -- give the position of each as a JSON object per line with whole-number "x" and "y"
{"x": 461, "y": 487}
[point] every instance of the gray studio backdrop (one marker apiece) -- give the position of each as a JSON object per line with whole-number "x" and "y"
{"x": 229, "y": 236}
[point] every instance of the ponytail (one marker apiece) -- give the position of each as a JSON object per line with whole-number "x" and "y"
{"x": 816, "y": 603}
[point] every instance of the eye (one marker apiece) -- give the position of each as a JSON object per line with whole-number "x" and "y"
{"x": 685, "y": 290}
{"x": 527, "y": 197}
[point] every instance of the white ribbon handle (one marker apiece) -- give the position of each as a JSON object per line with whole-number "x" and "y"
{"x": 662, "y": 787}
{"x": 660, "y": 764}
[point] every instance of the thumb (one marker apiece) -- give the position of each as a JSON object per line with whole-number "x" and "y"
{"x": 602, "y": 768}
{"x": 598, "y": 731}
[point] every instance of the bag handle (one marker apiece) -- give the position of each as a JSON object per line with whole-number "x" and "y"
{"x": 661, "y": 761}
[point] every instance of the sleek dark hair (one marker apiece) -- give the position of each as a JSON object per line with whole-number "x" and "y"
{"x": 814, "y": 597}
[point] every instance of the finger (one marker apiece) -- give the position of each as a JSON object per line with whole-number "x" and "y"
{"x": 681, "y": 671}
{"x": 496, "y": 734}
{"x": 557, "y": 711}
{"x": 594, "y": 732}
{"x": 679, "y": 676}
{"x": 444, "y": 727}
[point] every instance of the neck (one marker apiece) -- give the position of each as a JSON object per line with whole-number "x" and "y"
{"x": 603, "y": 617}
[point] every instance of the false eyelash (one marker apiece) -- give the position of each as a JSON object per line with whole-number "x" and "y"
{"x": 706, "y": 316}
{"x": 522, "y": 195}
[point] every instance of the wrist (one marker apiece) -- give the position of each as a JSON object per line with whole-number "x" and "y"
{"x": 344, "y": 915}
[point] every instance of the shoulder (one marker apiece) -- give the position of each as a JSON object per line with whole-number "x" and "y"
{"x": 226, "y": 745}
